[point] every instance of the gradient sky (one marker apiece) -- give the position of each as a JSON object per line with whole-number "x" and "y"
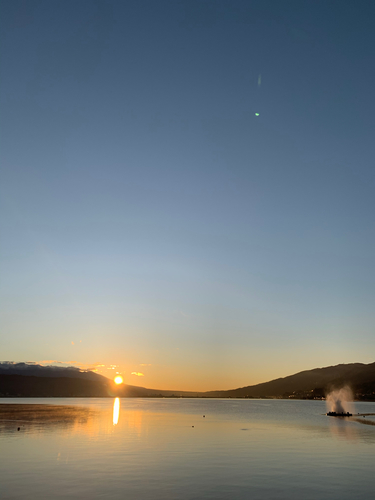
{"x": 151, "y": 221}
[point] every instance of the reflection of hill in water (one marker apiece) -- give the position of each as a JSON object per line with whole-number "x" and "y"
{"x": 41, "y": 417}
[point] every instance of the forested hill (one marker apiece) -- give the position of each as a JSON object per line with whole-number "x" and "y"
{"x": 312, "y": 383}
{"x": 33, "y": 380}
{"x": 33, "y": 369}
{"x": 29, "y": 386}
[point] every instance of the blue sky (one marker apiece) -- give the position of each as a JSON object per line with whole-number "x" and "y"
{"x": 149, "y": 217}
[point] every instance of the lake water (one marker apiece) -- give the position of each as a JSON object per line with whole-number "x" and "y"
{"x": 140, "y": 449}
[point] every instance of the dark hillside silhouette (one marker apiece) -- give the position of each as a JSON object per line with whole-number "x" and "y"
{"x": 22, "y": 380}
{"x": 358, "y": 376}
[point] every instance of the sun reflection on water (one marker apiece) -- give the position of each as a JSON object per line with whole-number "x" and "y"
{"x": 116, "y": 411}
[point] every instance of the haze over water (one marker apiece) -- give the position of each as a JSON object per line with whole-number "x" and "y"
{"x": 143, "y": 449}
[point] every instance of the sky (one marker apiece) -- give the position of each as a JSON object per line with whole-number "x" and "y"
{"x": 187, "y": 187}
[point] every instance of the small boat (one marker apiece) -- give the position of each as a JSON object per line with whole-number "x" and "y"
{"x": 339, "y": 414}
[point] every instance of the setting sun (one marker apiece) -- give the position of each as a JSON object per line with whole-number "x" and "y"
{"x": 118, "y": 379}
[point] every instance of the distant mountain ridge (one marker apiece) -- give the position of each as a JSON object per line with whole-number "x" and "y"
{"x": 360, "y": 377}
{"x": 33, "y": 369}
{"x": 32, "y": 380}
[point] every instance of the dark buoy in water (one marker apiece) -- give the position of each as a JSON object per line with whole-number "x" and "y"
{"x": 204, "y": 416}
{"x": 339, "y": 414}
{"x": 18, "y": 428}
{"x": 192, "y": 425}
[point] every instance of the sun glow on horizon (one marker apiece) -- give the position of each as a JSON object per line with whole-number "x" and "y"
{"x": 118, "y": 380}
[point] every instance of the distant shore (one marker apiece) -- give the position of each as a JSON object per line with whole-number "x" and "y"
{"x": 362, "y": 400}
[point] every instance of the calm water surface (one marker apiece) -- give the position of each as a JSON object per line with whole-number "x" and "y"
{"x": 165, "y": 449}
